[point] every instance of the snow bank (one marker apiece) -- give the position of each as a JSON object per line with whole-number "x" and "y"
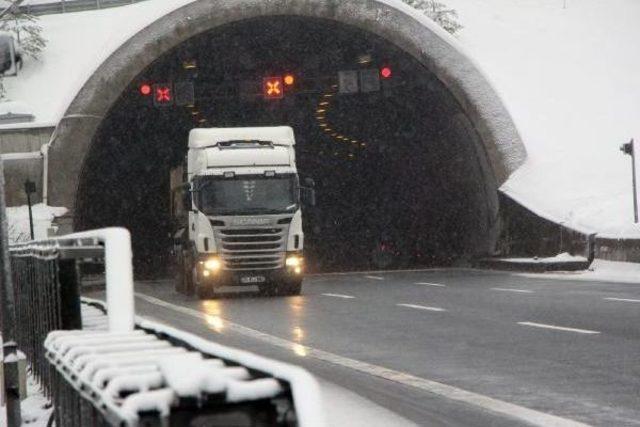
{"x": 35, "y": 409}
{"x": 600, "y": 270}
{"x": 563, "y": 257}
{"x": 18, "y": 219}
{"x": 569, "y": 78}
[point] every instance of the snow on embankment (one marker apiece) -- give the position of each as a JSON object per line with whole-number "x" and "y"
{"x": 18, "y": 221}
{"x": 570, "y": 79}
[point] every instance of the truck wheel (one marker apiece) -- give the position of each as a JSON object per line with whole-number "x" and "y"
{"x": 187, "y": 275}
{"x": 282, "y": 289}
{"x": 291, "y": 288}
{"x": 204, "y": 292}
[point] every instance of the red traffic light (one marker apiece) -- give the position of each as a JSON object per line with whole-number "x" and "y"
{"x": 145, "y": 89}
{"x": 273, "y": 88}
{"x": 386, "y": 72}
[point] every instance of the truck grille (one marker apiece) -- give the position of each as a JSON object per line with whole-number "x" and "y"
{"x": 252, "y": 248}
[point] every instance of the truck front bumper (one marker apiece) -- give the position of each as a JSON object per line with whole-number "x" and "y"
{"x": 215, "y": 275}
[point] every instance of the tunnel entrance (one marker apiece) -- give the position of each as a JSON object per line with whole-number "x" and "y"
{"x": 402, "y": 177}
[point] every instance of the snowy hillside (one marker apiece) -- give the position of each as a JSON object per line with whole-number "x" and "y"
{"x": 570, "y": 79}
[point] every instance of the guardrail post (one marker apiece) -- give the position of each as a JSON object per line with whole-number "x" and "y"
{"x": 68, "y": 276}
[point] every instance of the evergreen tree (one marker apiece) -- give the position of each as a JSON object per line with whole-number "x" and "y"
{"x": 27, "y": 31}
{"x": 444, "y": 16}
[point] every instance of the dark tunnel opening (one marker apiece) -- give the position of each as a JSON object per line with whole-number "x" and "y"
{"x": 402, "y": 179}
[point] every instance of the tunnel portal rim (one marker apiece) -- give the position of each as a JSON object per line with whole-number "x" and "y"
{"x": 412, "y": 34}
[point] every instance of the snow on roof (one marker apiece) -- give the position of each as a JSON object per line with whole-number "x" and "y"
{"x": 77, "y": 44}
{"x": 204, "y": 137}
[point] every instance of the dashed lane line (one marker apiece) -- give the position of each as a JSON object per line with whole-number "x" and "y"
{"x": 437, "y": 285}
{"x": 339, "y": 296}
{"x": 520, "y": 291}
{"x": 496, "y": 406}
{"x": 374, "y": 277}
{"x": 623, "y": 299}
{"x": 559, "y": 328}
{"x": 421, "y": 307}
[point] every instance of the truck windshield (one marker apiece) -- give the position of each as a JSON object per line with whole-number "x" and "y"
{"x": 245, "y": 195}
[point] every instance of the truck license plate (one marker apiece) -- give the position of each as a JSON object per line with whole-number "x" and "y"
{"x": 248, "y": 280}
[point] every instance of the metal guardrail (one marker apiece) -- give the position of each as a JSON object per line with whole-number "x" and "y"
{"x": 65, "y": 6}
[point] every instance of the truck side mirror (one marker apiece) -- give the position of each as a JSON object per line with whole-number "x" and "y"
{"x": 308, "y": 196}
{"x": 187, "y": 199}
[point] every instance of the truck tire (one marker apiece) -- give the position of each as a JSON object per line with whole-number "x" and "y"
{"x": 178, "y": 275}
{"x": 292, "y": 288}
{"x": 204, "y": 292}
{"x": 187, "y": 274}
{"x": 285, "y": 288}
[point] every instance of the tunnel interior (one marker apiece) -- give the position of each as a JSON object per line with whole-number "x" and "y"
{"x": 401, "y": 177}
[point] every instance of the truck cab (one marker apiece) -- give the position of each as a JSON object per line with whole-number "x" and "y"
{"x": 241, "y": 216}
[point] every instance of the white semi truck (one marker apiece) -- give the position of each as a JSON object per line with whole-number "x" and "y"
{"x": 237, "y": 212}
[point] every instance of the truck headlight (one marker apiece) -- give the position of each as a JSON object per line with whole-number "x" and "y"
{"x": 213, "y": 264}
{"x": 293, "y": 261}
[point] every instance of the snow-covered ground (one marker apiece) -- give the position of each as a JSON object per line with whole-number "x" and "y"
{"x": 568, "y": 75}
{"x": 563, "y": 257}
{"x": 600, "y": 271}
{"x": 18, "y": 221}
{"x": 35, "y": 409}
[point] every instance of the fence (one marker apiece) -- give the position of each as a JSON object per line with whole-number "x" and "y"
{"x": 131, "y": 373}
{"x": 134, "y": 373}
{"x": 72, "y": 6}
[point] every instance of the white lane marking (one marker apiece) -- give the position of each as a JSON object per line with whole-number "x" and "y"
{"x": 623, "y": 299}
{"x": 374, "y": 277}
{"x": 558, "y": 328}
{"x": 521, "y": 413}
{"x": 339, "y": 296}
{"x": 431, "y": 284}
{"x": 521, "y": 291}
{"x": 421, "y": 307}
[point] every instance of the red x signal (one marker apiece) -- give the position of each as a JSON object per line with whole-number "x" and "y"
{"x": 273, "y": 88}
{"x": 162, "y": 94}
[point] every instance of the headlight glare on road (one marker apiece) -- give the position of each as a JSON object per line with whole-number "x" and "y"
{"x": 213, "y": 264}
{"x": 294, "y": 261}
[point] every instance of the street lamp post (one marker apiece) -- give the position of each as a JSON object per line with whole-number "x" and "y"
{"x": 631, "y": 148}
{"x": 30, "y": 188}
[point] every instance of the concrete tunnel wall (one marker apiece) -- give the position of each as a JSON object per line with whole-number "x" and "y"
{"x": 500, "y": 151}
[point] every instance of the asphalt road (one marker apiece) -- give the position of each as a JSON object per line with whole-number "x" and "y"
{"x": 562, "y": 347}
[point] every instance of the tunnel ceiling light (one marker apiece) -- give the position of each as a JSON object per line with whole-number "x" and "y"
{"x": 145, "y": 89}
{"x": 190, "y": 64}
{"x": 365, "y": 59}
{"x": 321, "y": 110}
{"x": 386, "y": 72}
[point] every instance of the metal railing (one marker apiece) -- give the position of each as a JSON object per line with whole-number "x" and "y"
{"x": 133, "y": 373}
{"x": 65, "y": 6}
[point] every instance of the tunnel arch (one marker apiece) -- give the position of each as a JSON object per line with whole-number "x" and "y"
{"x": 485, "y": 120}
